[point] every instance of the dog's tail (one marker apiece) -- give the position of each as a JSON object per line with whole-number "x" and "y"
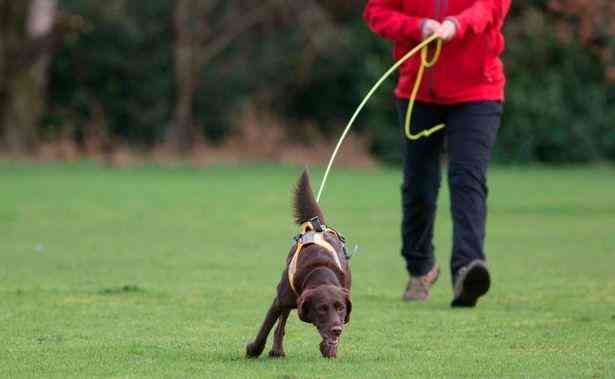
{"x": 305, "y": 204}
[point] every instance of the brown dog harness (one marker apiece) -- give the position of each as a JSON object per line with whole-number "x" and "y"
{"x": 312, "y": 235}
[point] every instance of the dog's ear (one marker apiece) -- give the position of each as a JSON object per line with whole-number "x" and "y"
{"x": 303, "y": 306}
{"x": 348, "y": 306}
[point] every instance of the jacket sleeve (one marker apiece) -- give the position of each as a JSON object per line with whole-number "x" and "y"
{"x": 385, "y": 18}
{"x": 482, "y": 14}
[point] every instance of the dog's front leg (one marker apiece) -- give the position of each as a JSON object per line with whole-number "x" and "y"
{"x": 278, "y": 338}
{"x": 254, "y": 349}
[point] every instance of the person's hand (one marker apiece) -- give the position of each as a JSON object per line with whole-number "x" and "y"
{"x": 446, "y": 31}
{"x": 429, "y": 27}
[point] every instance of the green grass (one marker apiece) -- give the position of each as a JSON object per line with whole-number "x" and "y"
{"x": 150, "y": 272}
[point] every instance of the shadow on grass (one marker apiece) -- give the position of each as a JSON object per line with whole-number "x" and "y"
{"x": 127, "y": 289}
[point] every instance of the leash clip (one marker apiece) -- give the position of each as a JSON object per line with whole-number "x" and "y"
{"x": 317, "y": 224}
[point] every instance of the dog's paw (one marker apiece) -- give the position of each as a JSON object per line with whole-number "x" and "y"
{"x": 254, "y": 350}
{"x": 277, "y": 354}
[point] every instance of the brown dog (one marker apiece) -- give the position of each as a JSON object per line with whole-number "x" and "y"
{"x": 316, "y": 281}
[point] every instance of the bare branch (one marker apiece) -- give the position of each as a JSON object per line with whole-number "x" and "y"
{"x": 255, "y": 17}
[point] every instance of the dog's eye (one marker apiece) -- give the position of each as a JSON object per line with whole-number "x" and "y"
{"x": 339, "y": 307}
{"x": 322, "y": 309}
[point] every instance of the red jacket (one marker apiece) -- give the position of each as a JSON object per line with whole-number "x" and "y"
{"x": 469, "y": 68}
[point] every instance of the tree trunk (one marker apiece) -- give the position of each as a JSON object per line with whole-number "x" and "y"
{"x": 3, "y": 57}
{"x": 182, "y": 133}
{"x": 24, "y": 84}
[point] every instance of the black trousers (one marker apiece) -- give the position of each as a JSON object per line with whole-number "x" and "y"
{"x": 469, "y": 136}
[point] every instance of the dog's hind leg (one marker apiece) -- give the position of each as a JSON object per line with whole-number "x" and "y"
{"x": 278, "y": 338}
{"x": 255, "y": 349}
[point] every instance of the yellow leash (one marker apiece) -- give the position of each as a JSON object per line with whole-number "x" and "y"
{"x": 423, "y": 47}
{"x": 417, "y": 84}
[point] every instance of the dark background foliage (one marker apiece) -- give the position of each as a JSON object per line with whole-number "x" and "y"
{"x": 115, "y": 76}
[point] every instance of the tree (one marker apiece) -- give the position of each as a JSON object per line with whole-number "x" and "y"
{"x": 25, "y": 39}
{"x": 203, "y": 29}
{"x": 182, "y": 131}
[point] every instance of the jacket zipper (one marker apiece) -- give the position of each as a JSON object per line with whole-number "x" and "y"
{"x": 430, "y": 80}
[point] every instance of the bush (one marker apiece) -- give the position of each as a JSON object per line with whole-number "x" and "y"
{"x": 122, "y": 63}
{"x": 558, "y": 107}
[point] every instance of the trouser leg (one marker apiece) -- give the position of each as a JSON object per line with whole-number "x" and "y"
{"x": 471, "y": 130}
{"x": 421, "y": 183}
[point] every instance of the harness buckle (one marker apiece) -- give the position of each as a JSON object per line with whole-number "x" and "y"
{"x": 317, "y": 224}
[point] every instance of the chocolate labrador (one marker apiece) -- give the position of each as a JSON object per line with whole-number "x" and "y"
{"x": 316, "y": 281}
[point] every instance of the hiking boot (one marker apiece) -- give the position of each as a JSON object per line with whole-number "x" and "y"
{"x": 472, "y": 282}
{"x": 418, "y": 288}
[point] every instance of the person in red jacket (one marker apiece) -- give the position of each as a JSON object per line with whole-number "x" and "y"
{"x": 465, "y": 91}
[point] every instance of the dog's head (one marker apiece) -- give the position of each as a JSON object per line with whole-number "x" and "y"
{"x": 328, "y": 308}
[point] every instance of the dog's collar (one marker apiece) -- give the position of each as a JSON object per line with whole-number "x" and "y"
{"x": 313, "y": 233}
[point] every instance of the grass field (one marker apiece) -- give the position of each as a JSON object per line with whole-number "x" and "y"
{"x": 150, "y": 272}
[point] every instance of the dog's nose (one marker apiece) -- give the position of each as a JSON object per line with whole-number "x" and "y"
{"x": 336, "y": 331}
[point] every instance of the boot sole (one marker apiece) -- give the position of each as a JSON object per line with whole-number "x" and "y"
{"x": 475, "y": 284}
